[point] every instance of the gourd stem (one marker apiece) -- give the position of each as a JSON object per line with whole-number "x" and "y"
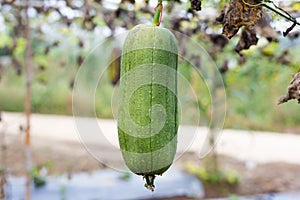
{"x": 158, "y": 13}
{"x": 149, "y": 182}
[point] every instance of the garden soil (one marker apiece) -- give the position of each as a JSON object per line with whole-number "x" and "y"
{"x": 71, "y": 157}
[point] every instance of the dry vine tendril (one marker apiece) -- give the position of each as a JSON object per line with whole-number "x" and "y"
{"x": 247, "y": 13}
{"x": 282, "y": 13}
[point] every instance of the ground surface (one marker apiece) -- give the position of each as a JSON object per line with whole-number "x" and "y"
{"x": 279, "y": 173}
{"x": 71, "y": 157}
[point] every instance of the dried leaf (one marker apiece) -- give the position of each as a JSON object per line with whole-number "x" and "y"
{"x": 242, "y": 59}
{"x": 285, "y": 58}
{"x": 219, "y": 41}
{"x": 264, "y": 28}
{"x": 293, "y": 90}
{"x": 71, "y": 84}
{"x": 130, "y": 1}
{"x": 221, "y": 17}
{"x": 247, "y": 39}
{"x": 56, "y": 43}
{"x": 79, "y": 60}
{"x": 196, "y": 5}
{"x": 224, "y": 68}
{"x": 294, "y": 35}
{"x": 80, "y": 43}
{"x": 240, "y": 14}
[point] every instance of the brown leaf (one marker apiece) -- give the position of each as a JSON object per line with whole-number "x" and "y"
{"x": 196, "y": 5}
{"x": 56, "y": 43}
{"x": 294, "y": 35}
{"x": 80, "y": 43}
{"x": 242, "y": 59}
{"x": 285, "y": 58}
{"x": 240, "y": 14}
{"x": 80, "y": 60}
{"x": 219, "y": 41}
{"x": 264, "y": 28}
{"x": 247, "y": 39}
{"x": 293, "y": 90}
{"x": 71, "y": 84}
{"x": 130, "y": 1}
{"x": 224, "y": 68}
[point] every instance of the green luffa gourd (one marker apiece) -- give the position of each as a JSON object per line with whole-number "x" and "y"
{"x": 147, "y": 115}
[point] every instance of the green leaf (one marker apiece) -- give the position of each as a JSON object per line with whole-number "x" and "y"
{"x": 98, "y": 21}
{"x": 65, "y": 31}
{"x": 126, "y": 176}
{"x": 5, "y": 40}
{"x": 20, "y": 47}
{"x": 270, "y": 49}
{"x": 231, "y": 177}
{"x": 296, "y": 6}
{"x": 233, "y": 197}
{"x": 41, "y": 60}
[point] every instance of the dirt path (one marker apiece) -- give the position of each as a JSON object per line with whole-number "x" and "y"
{"x": 72, "y": 157}
{"x": 265, "y": 162}
{"x": 258, "y": 147}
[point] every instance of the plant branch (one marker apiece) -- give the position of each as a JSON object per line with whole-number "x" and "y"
{"x": 280, "y": 12}
{"x": 277, "y": 10}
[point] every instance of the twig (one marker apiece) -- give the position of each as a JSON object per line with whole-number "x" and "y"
{"x": 280, "y": 12}
{"x": 277, "y": 10}
{"x": 285, "y": 33}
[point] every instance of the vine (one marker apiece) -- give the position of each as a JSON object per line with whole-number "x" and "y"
{"x": 281, "y": 12}
{"x": 158, "y": 13}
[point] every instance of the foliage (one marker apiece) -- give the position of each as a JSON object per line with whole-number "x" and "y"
{"x": 38, "y": 174}
{"x": 58, "y": 27}
{"x": 253, "y": 88}
{"x": 126, "y": 176}
{"x": 63, "y": 32}
{"x": 233, "y": 197}
{"x": 215, "y": 177}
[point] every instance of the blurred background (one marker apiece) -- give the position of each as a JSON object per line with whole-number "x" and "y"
{"x": 62, "y": 36}
{"x": 43, "y": 44}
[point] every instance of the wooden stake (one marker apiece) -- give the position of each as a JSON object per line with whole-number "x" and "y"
{"x": 28, "y": 67}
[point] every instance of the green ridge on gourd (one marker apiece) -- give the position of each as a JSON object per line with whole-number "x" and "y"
{"x": 147, "y": 115}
